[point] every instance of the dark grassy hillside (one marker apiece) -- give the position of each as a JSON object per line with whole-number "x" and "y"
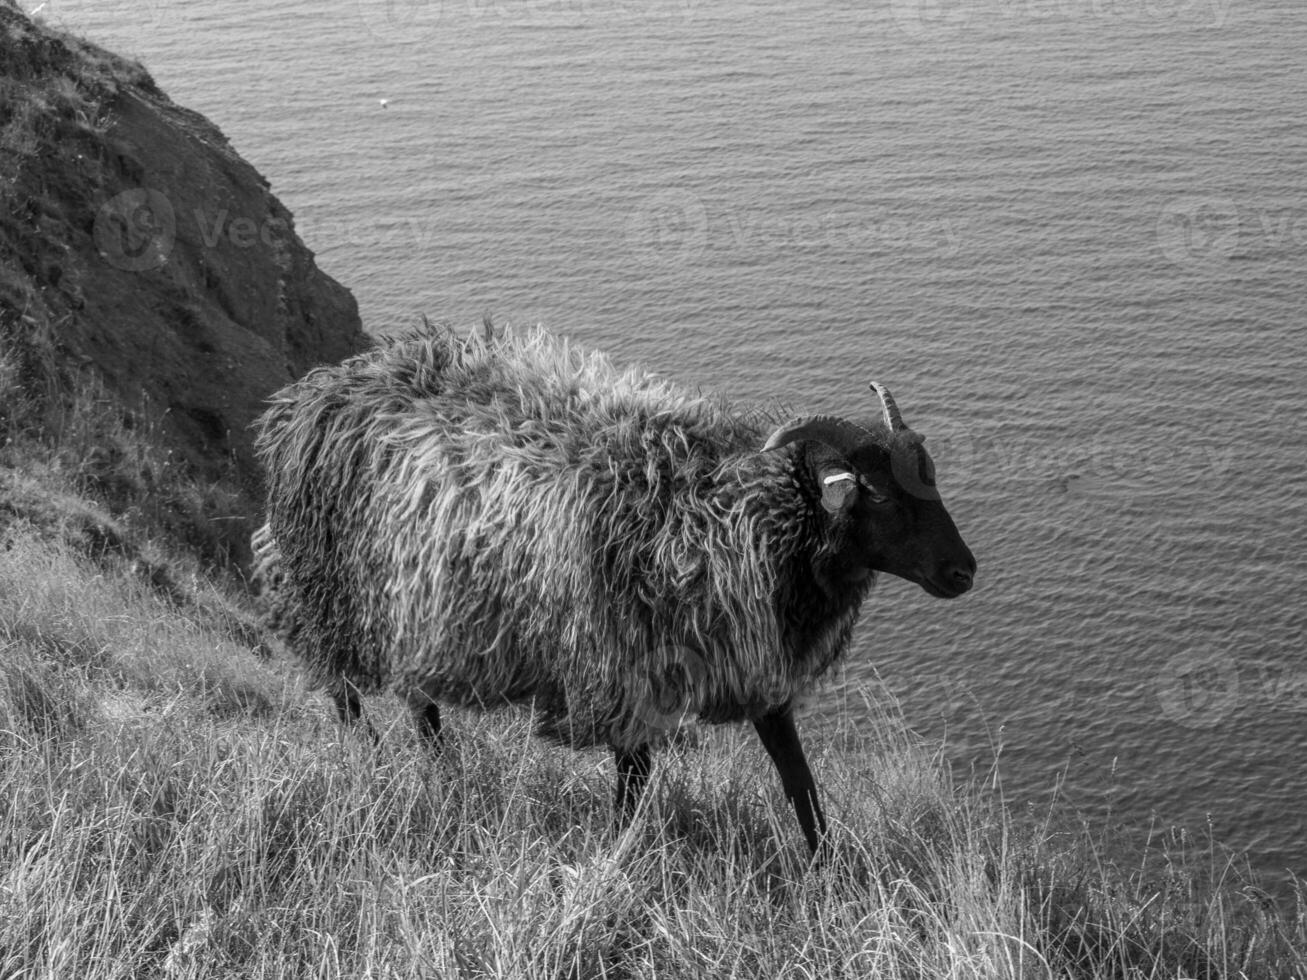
{"x": 177, "y": 806}
{"x": 142, "y": 258}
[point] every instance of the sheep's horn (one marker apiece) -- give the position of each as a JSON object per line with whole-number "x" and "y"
{"x": 840, "y": 434}
{"x": 893, "y": 418}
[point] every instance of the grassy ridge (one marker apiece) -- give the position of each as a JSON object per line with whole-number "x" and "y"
{"x": 182, "y": 808}
{"x": 174, "y": 803}
{"x": 179, "y": 805}
{"x": 74, "y": 460}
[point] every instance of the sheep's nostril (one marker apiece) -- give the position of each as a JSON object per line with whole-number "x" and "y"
{"x": 962, "y": 578}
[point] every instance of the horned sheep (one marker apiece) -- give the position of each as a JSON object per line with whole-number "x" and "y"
{"x": 516, "y": 520}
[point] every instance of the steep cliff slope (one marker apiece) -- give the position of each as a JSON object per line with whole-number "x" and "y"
{"x": 136, "y": 246}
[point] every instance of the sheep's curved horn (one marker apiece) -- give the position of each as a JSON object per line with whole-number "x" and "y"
{"x": 840, "y": 434}
{"x": 893, "y": 418}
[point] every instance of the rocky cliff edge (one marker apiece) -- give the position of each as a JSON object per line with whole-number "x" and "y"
{"x": 137, "y": 246}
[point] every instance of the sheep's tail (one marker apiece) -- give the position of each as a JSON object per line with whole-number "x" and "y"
{"x": 277, "y": 611}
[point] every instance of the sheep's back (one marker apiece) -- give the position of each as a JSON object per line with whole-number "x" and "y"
{"x": 521, "y": 520}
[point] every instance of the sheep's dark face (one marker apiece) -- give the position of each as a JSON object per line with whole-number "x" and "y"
{"x": 877, "y": 489}
{"x": 886, "y": 515}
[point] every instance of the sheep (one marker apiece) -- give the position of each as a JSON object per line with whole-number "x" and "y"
{"x": 514, "y": 520}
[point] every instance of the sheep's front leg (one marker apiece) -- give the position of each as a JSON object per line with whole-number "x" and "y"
{"x": 633, "y": 766}
{"x": 427, "y": 718}
{"x": 349, "y": 707}
{"x": 781, "y": 740}
{"x": 425, "y": 712}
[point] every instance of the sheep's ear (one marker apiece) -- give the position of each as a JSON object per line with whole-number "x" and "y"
{"x": 839, "y": 488}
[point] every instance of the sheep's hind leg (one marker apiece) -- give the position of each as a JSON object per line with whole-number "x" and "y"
{"x": 633, "y": 766}
{"x": 349, "y": 708}
{"x": 427, "y": 719}
{"x": 425, "y": 711}
{"x": 781, "y": 740}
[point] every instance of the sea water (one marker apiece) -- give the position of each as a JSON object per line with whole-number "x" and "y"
{"x": 1070, "y": 235}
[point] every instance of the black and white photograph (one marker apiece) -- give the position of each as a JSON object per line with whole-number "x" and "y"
{"x": 640, "y": 489}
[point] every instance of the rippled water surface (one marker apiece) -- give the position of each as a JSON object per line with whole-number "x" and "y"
{"x": 1070, "y": 235}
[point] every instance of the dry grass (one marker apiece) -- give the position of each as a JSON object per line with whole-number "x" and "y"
{"x": 181, "y": 808}
{"x": 75, "y": 459}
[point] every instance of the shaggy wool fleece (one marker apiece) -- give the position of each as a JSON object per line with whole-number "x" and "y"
{"x": 517, "y": 520}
